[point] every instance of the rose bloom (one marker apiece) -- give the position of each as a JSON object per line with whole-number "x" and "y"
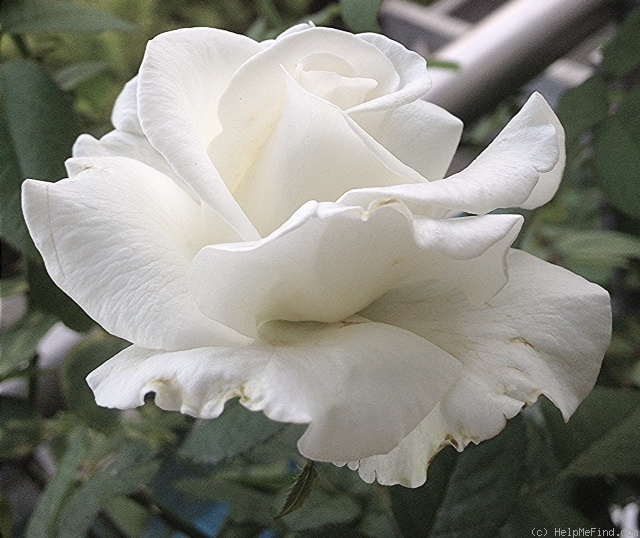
{"x": 270, "y": 221}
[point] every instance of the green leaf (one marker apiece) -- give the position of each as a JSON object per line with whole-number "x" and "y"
{"x": 300, "y": 490}
{"x": 128, "y": 516}
{"x": 532, "y": 516}
{"x": 26, "y": 16}
{"x": 599, "y": 248}
{"x": 616, "y": 452}
{"x": 72, "y": 76}
{"x": 282, "y": 446}
{"x": 82, "y": 359}
{"x": 234, "y": 432}
{"x": 247, "y": 504}
{"x": 41, "y": 121}
{"x": 320, "y": 510}
{"x": 133, "y": 467}
{"x": 37, "y": 129}
{"x": 483, "y": 486}
{"x": 43, "y": 519}
{"x": 18, "y": 345}
{"x": 582, "y": 107}
{"x": 20, "y": 428}
{"x": 6, "y": 517}
{"x": 617, "y": 165}
{"x": 622, "y": 54}
{"x": 361, "y": 15}
{"x": 12, "y": 286}
{"x": 12, "y": 226}
{"x": 45, "y": 295}
{"x": 628, "y": 112}
{"x": 602, "y": 437}
{"x": 443, "y": 64}
{"x": 415, "y": 510}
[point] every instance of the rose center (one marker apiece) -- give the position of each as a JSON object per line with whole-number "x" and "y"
{"x": 334, "y": 79}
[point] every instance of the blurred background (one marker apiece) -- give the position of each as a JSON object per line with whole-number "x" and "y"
{"x": 69, "y": 468}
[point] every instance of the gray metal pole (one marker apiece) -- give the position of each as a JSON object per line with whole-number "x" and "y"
{"x": 510, "y": 47}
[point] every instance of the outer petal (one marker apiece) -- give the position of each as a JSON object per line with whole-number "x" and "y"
{"x": 125, "y": 110}
{"x": 182, "y": 77}
{"x": 118, "y": 237}
{"x": 545, "y": 333}
{"x": 127, "y": 140}
{"x": 361, "y": 386}
{"x": 521, "y": 166}
{"x": 125, "y": 144}
{"x": 328, "y": 262}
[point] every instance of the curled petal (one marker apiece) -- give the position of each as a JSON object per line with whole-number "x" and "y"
{"x": 414, "y": 81}
{"x": 521, "y": 167}
{"x": 118, "y": 237}
{"x": 420, "y": 134}
{"x": 182, "y": 77}
{"x": 125, "y": 110}
{"x": 361, "y": 386}
{"x": 545, "y": 333}
{"x": 127, "y": 139}
{"x": 291, "y": 169}
{"x": 126, "y": 144}
{"x": 330, "y": 261}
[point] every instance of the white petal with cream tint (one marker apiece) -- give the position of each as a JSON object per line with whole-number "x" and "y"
{"x": 118, "y": 238}
{"x": 521, "y": 167}
{"x": 182, "y": 77}
{"x": 544, "y": 333}
{"x": 361, "y": 386}
{"x": 329, "y": 261}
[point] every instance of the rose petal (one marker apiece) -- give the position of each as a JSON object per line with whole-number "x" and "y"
{"x": 421, "y": 135}
{"x": 361, "y": 386}
{"x": 182, "y": 77}
{"x": 125, "y": 110}
{"x": 127, "y": 140}
{"x": 412, "y": 72}
{"x": 118, "y": 237}
{"x": 125, "y": 144}
{"x": 292, "y": 166}
{"x": 259, "y": 98}
{"x": 329, "y": 261}
{"x": 522, "y": 166}
{"x": 545, "y": 333}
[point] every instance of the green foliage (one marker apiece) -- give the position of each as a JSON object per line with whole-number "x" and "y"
{"x": 37, "y": 130}
{"x": 471, "y": 494}
{"x": 132, "y": 467}
{"x": 21, "y": 429}
{"x": 6, "y": 518}
{"x": 582, "y": 108}
{"x": 300, "y": 490}
{"x": 234, "y": 432}
{"x": 622, "y": 53}
{"x": 82, "y": 359}
{"x": 617, "y": 165}
{"x": 18, "y": 344}
{"x": 361, "y": 15}
{"x": 41, "y": 122}
{"x": 27, "y": 16}
{"x": 43, "y": 519}
{"x": 46, "y": 296}
{"x": 602, "y": 437}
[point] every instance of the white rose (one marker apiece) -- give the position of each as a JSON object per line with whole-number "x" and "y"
{"x": 270, "y": 221}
